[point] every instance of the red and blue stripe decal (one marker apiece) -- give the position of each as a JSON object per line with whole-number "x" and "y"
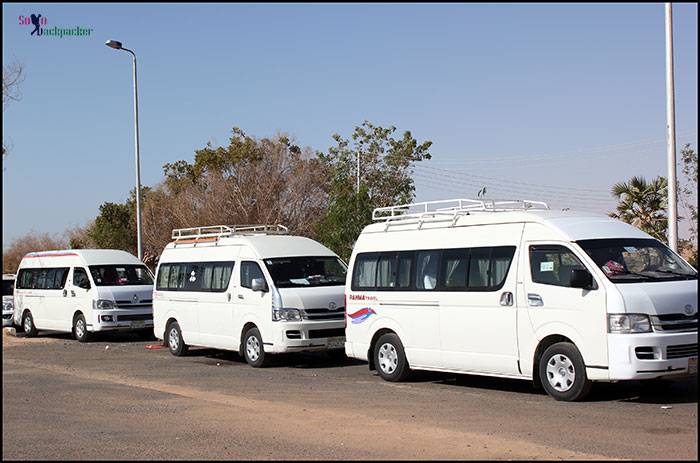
{"x": 49, "y": 254}
{"x": 361, "y": 315}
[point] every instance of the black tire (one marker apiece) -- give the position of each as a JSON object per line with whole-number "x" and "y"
{"x": 28, "y": 325}
{"x": 80, "y": 332}
{"x": 390, "y": 358}
{"x": 173, "y": 338}
{"x": 253, "y": 349}
{"x": 566, "y": 379}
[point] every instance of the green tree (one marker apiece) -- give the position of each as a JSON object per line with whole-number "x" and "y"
{"x": 643, "y": 204}
{"x": 386, "y": 167}
{"x": 688, "y": 197}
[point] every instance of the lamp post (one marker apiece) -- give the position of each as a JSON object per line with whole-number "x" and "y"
{"x": 118, "y": 46}
{"x": 671, "y": 135}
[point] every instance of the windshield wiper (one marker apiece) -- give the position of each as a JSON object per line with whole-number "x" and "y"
{"x": 635, "y": 274}
{"x": 671, "y": 272}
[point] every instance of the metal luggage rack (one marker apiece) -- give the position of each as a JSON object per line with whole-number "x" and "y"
{"x": 219, "y": 231}
{"x": 450, "y": 210}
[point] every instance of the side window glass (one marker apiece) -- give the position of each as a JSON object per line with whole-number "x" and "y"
{"x": 178, "y": 276}
{"x": 216, "y": 276}
{"x": 27, "y": 279}
{"x": 454, "y": 268}
{"x": 479, "y": 268}
{"x": 386, "y": 272}
{"x": 552, "y": 265}
{"x": 80, "y": 278}
{"x": 365, "y": 271}
{"x": 426, "y": 269}
{"x": 163, "y": 276}
{"x": 405, "y": 263}
{"x": 249, "y": 272}
{"x": 59, "y": 281}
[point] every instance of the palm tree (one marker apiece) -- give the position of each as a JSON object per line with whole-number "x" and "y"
{"x": 643, "y": 204}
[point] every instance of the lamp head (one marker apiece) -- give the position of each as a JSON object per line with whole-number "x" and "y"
{"x": 114, "y": 44}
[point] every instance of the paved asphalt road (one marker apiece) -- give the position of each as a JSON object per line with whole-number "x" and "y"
{"x": 112, "y": 398}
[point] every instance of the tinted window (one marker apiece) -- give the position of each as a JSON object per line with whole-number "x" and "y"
{"x": 8, "y": 287}
{"x": 365, "y": 271}
{"x": 299, "y": 272}
{"x": 120, "y": 275}
{"x": 552, "y": 265}
{"x": 405, "y": 264}
{"x": 208, "y": 276}
{"x": 387, "y": 271}
{"x": 172, "y": 277}
{"x": 454, "y": 268}
{"x": 25, "y": 279}
{"x": 80, "y": 278}
{"x": 249, "y": 272}
{"x": 45, "y": 278}
{"x": 426, "y": 269}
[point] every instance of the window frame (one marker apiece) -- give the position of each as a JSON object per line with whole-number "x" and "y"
{"x": 240, "y": 274}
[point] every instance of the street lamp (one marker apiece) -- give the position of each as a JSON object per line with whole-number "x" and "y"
{"x": 118, "y": 46}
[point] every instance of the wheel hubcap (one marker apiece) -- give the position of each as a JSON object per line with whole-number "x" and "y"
{"x": 252, "y": 348}
{"x": 28, "y": 323}
{"x": 560, "y": 372}
{"x": 80, "y": 328}
{"x": 173, "y": 340}
{"x": 388, "y": 358}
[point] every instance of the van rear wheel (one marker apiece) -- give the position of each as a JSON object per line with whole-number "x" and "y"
{"x": 28, "y": 325}
{"x": 253, "y": 349}
{"x": 176, "y": 344}
{"x": 80, "y": 332}
{"x": 563, "y": 373}
{"x": 390, "y": 358}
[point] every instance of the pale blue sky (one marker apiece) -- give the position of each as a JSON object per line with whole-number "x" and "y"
{"x": 549, "y": 102}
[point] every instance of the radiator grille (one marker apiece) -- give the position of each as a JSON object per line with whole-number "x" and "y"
{"x": 680, "y": 351}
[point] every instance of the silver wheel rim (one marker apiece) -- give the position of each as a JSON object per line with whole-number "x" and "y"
{"x": 252, "y": 348}
{"x": 560, "y": 372}
{"x": 173, "y": 339}
{"x": 28, "y": 323}
{"x": 388, "y": 358}
{"x": 80, "y": 328}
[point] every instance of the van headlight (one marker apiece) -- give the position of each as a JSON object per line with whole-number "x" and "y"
{"x": 104, "y": 304}
{"x": 8, "y": 306}
{"x": 629, "y": 323}
{"x": 286, "y": 315}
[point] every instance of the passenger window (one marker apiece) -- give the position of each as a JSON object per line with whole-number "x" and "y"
{"x": 60, "y": 278}
{"x": 454, "y": 269}
{"x": 426, "y": 269}
{"x": 177, "y": 276}
{"x": 80, "y": 278}
{"x": 216, "y": 276}
{"x": 365, "y": 271}
{"x": 163, "y": 276}
{"x": 552, "y": 265}
{"x": 249, "y": 272}
{"x": 386, "y": 271}
{"x": 479, "y": 268}
{"x": 27, "y": 279}
{"x": 404, "y": 277}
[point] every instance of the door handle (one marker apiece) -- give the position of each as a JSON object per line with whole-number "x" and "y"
{"x": 228, "y": 297}
{"x": 534, "y": 300}
{"x": 65, "y": 293}
{"x": 240, "y": 296}
{"x": 506, "y": 299}
{"x": 72, "y": 293}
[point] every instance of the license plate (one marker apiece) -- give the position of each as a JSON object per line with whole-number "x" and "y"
{"x": 692, "y": 365}
{"x": 138, "y": 324}
{"x": 335, "y": 343}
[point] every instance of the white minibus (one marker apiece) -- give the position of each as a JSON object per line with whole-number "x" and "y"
{"x": 83, "y": 291}
{"x": 513, "y": 289}
{"x": 8, "y": 301}
{"x": 253, "y": 289}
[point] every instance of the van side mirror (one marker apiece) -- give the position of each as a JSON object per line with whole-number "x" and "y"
{"x": 581, "y": 278}
{"x": 258, "y": 284}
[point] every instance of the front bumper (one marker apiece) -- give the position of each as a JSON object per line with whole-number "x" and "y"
{"x": 624, "y": 352}
{"x": 121, "y": 319}
{"x": 8, "y": 318}
{"x": 305, "y": 336}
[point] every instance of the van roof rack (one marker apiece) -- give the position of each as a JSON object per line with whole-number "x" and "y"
{"x": 218, "y": 231}
{"x": 451, "y": 209}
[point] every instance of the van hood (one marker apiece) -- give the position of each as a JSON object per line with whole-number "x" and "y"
{"x": 661, "y": 297}
{"x": 125, "y": 294}
{"x": 317, "y": 297}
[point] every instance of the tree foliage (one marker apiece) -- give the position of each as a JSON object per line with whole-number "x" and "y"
{"x": 386, "y": 167}
{"x": 31, "y": 242}
{"x": 643, "y": 204}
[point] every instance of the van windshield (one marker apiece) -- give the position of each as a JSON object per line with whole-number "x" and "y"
{"x": 627, "y": 260}
{"x": 120, "y": 275}
{"x": 295, "y": 272}
{"x": 8, "y": 287}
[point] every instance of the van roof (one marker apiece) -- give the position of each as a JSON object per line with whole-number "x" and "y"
{"x": 265, "y": 246}
{"x": 89, "y": 256}
{"x": 572, "y": 225}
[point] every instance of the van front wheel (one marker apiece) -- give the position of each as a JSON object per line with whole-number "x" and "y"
{"x": 253, "y": 350}
{"x": 563, "y": 373}
{"x": 390, "y": 359}
{"x": 80, "y": 332}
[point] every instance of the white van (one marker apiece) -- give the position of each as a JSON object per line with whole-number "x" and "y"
{"x": 252, "y": 289}
{"x": 515, "y": 290}
{"x": 83, "y": 291}
{"x": 8, "y": 302}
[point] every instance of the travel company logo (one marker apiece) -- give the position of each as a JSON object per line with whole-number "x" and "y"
{"x": 37, "y": 22}
{"x": 361, "y": 315}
